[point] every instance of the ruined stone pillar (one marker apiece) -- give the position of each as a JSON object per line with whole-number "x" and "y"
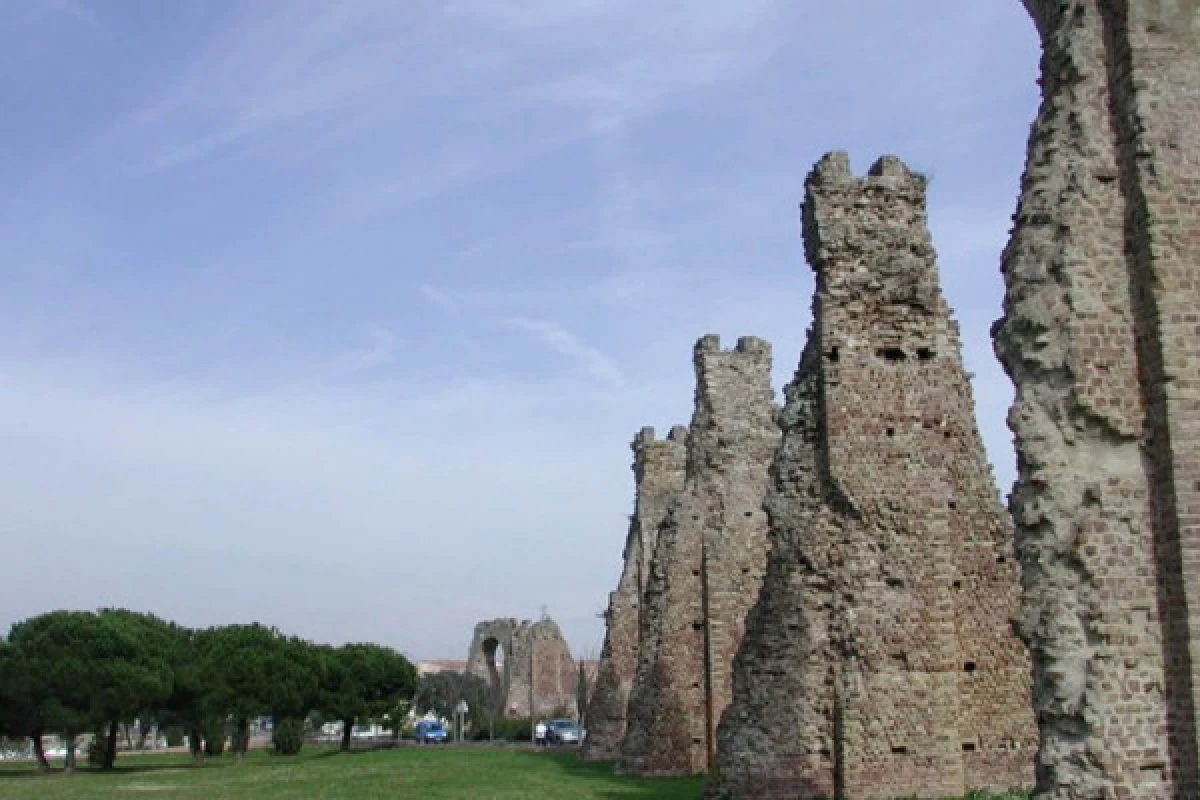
{"x": 879, "y": 660}
{"x": 1101, "y": 335}
{"x": 659, "y": 468}
{"x": 707, "y": 566}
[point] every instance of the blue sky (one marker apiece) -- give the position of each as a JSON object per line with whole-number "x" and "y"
{"x": 341, "y": 315}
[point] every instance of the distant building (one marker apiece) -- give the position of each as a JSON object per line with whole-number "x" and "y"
{"x": 440, "y": 665}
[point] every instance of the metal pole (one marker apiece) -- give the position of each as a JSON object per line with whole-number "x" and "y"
{"x": 532, "y": 713}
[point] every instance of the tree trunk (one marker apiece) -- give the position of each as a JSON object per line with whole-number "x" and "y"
{"x": 196, "y": 743}
{"x": 144, "y": 729}
{"x": 347, "y": 731}
{"x": 110, "y": 747}
{"x": 39, "y": 750}
{"x": 69, "y": 761}
{"x": 241, "y": 739}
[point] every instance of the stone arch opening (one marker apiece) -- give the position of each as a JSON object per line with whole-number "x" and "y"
{"x": 493, "y": 654}
{"x": 494, "y": 658}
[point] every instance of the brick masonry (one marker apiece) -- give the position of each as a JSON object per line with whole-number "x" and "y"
{"x": 879, "y": 660}
{"x": 707, "y": 567}
{"x": 659, "y": 466}
{"x": 510, "y": 654}
{"x": 1101, "y": 335}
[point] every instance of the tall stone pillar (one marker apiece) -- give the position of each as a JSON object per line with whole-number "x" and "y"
{"x": 1101, "y": 335}
{"x": 879, "y": 660}
{"x": 707, "y": 566}
{"x": 659, "y": 468}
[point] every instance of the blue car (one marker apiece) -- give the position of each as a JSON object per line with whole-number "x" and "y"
{"x": 430, "y": 731}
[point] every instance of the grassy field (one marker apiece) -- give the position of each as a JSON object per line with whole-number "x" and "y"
{"x": 425, "y": 773}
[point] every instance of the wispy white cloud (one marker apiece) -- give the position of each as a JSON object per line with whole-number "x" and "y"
{"x": 381, "y": 349}
{"x": 298, "y": 79}
{"x": 650, "y": 56}
{"x": 77, "y": 9}
{"x": 439, "y": 298}
{"x": 561, "y": 341}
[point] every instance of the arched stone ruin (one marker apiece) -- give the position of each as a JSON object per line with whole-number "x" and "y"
{"x": 525, "y": 662}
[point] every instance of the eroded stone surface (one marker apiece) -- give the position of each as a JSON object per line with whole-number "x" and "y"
{"x": 708, "y": 564}
{"x": 1101, "y": 335}
{"x": 513, "y": 655}
{"x": 879, "y": 660}
{"x": 659, "y": 467}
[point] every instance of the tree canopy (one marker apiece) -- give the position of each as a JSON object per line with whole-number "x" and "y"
{"x": 365, "y": 680}
{"x": 70, "y": 672}
{"x": 83, "y": 670}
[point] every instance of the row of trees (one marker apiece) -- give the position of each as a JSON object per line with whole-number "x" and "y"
{"x": 71, "y": 672}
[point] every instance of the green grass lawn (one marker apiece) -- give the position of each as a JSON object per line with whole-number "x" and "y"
{"x": 430, "y": 773}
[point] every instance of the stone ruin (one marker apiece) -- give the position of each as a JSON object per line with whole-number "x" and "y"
{"x": 658, "y": 467}
{"x": 707, "y": 567}
{"x": 527, "y": 664}
{"x": 870, "y": 666}
{"x": 879, "y": 660}
{"x": 1101, "y": 335}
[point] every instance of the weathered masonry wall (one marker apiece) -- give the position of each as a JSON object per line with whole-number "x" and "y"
{"x": 659, "y": 467}
{"x": 879, "y": 660}
{"x": 512, "y": 656}
{"x": 1101, "y": 335}
{"x": 708, "y": 564}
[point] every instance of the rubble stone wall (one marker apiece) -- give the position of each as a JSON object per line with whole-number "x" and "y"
{"x": 1101, "y": 335}
{"x": 659, "y": 466}
{"x": 512, "y": 655}
{"x": 879, "y": 660}
{"x": 708, "y": 564}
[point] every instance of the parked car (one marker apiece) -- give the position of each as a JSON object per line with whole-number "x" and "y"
{"x": 430, "y": 731}
{"x": 563, "y": 731}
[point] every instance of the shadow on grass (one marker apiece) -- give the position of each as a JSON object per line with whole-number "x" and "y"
{"x": 320, "y": 752}
{"x": 564, "y": 766}
{"x": 143, "y": 765}
{"x": 9, "y": 772}
{"x": 621, "y": 787}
